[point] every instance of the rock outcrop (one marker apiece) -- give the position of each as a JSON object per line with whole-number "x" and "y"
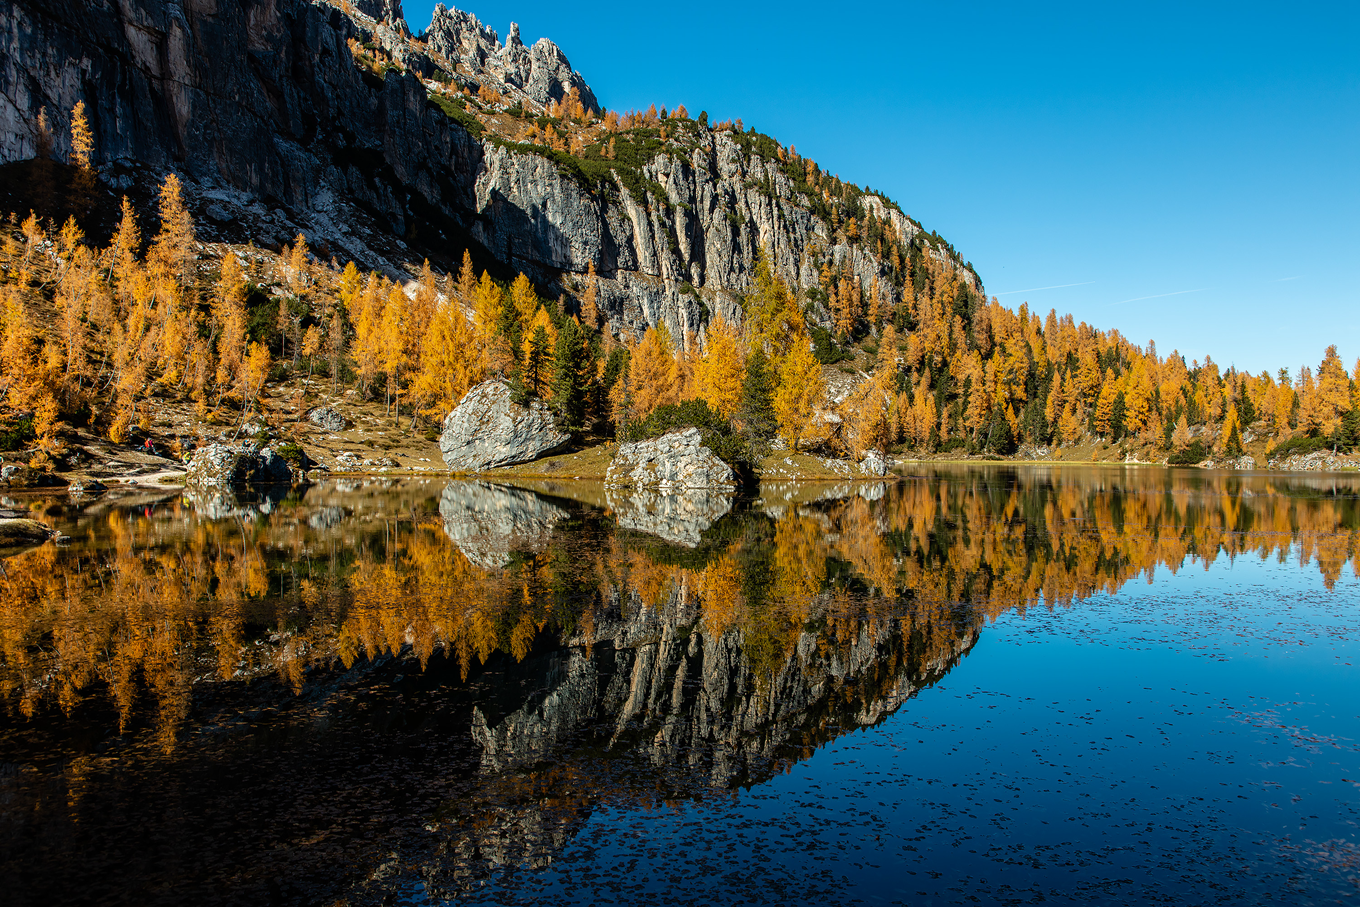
{"x": 540, "y": 73}
{"x": 678, "y": 518}
{"x": 328, "y": 417}
{"x": 488, "y": 428}
{"x": 278, "y": 123}
{"x": 1318, "y": 461}
{"x": 225, "y": 467}
{"x": 873, "y": 464}
{"x": 17, "y": 477}
{"x": 673, "y": 462}
{"x": 487, "y": 521}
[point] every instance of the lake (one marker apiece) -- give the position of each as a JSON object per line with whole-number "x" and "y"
{"x": 993, "y": 683}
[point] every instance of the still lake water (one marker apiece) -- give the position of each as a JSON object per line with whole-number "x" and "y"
{"x": 990, "y": 684}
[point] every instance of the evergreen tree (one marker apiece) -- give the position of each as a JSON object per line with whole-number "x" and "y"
{"x": 574, "y": 367}
{"x": 757, "y": 397}
{"x": 536, "y": 361}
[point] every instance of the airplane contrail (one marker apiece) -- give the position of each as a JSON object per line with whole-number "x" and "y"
{"x": 1159, "y": 296}
{"x": 1054, "y": 287}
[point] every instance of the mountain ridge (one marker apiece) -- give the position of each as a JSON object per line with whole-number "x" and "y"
{"x": 331, "y": 120}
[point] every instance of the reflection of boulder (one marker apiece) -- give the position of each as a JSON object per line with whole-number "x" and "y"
{"x": 23, "y": 531}
{"x": 224, "y": 504}
{"x": 673, "y": 461}
{"x": 679, "y": 518}
{"x": 327, "y": 517}
{"x": 486, "y": 521}
{"x": 489, "y": 429}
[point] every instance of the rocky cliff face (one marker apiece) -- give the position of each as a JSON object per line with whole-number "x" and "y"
{"x": 540, "y": 73}
{"x": 280, "y": 124}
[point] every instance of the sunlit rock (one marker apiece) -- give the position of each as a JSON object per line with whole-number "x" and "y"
{"x": 327, "y": 417}
{"x": 223, "y": 467}
{"x": 488, "y": 428}
{"x": 676, "y": 460}
{"x": 488, "y": 521}
{"x": 873, "y": 464}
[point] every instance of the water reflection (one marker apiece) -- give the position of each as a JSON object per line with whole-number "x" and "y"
{"x": 461, "y": 672}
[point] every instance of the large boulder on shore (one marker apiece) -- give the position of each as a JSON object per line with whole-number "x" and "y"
{"x": 488, "y": 429}
{"x": 223, "y": 467}
{"x": 16, "y": 477}
{"x": 671, "y": 462}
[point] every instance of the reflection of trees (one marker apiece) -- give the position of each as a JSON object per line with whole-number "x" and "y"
{"x": 142, "y": 608}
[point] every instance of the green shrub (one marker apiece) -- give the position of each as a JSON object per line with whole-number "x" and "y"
{"x": 292, "y": 454}
{"x": 455, "y": 109}
{"x": 1188, "y": 456}
{"x": 1298, "y": 446}
{"x": 718, "y": 434}
{"x": 17, "y": 434}
{"x": 824, "y": 347}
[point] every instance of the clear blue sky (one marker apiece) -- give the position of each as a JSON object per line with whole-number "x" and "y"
{"x": 1192, "y": 171}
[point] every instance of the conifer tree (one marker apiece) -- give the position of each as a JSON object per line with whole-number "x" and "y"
{"x": 173, "y": 248}
{"x": 590, "y": 312}
{"x": 537, "y": 362}
{"x": 652, "y": 373}
{"x": 82, "y": 141}
{"x": 1180, "y": 437}
{"x": 757, "y": 397}
{"x": 719, "y": 373}
{"x": 1230, "y": 439}
{"x": 800, "y": 390}
{"x": 573, "y": 369}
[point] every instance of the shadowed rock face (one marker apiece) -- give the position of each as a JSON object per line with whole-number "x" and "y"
{"x": 680, "y": 518}
{"x": 263, "y": 110}
{"x": 487, "y": 521}
{"x": 487, "y": 428}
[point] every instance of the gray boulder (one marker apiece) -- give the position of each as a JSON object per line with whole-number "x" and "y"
{"x": 671, "y": 462}
{"x": 873, "y": 464}
{"x": 222, "y": 467}
{"x": 489, "y": 429}
{"x": 327, "y": 417}
{"x": 19, "y": 478}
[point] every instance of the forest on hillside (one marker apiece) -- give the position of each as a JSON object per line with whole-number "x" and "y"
{"x": 97, "y": 337}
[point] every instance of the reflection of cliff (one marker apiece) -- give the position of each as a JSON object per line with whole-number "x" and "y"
{"x": 487, "y": 521}
{"x": 152, "y": 599}
{"x": 648, "y": 711}
{"x": 683, "y": 691}
{"x": 680, "y": 518}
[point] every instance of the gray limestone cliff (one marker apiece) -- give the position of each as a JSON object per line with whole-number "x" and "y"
{"x": 270, "y": 113}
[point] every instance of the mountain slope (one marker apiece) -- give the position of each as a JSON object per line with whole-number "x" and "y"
{"x": 386, "y": 148}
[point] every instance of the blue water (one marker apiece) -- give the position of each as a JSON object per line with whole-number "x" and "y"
{"x": 1193, "y": 740}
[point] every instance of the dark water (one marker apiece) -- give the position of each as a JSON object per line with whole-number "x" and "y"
{"x": 973, "y": 685}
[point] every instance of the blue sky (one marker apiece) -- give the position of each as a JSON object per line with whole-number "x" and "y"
{"x": 1188, "y": 173}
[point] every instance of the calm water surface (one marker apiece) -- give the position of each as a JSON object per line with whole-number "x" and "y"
{"x": 1017, "y": 685}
